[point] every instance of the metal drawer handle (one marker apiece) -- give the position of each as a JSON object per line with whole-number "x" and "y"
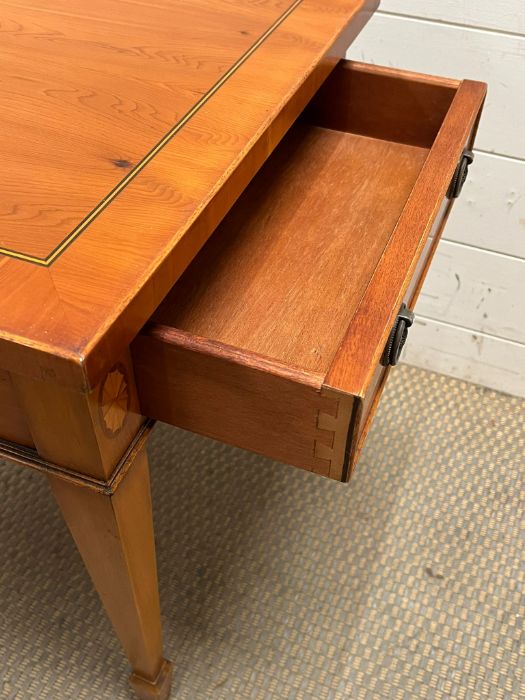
{"x": 398, "y": 336}
{"x": 460, "y": 174}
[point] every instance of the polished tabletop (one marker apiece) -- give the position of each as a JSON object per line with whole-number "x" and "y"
{"x": 127, "y": 130}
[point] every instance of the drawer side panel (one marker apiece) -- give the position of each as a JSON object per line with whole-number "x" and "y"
{"x": 197, "y": 387}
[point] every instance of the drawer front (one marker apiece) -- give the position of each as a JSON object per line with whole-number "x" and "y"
{"x": 404, "y": 263}
{"x": 272, "y": 339}
{"x": 367, "y": 407}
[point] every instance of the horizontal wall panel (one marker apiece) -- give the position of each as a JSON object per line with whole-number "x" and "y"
{"x": 474, "y": 357}
{"x": 476, "y": 289}
{"x": 457, "y": 52}
{"x": 505, "y": 15}
{"x": 490, "y": 213}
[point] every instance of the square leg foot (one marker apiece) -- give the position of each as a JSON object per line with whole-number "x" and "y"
{"x": 159, "y": 689}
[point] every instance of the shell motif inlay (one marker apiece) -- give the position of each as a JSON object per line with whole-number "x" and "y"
{"x": 114, "y": 401}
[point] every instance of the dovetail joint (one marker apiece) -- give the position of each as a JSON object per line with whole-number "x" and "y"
{"x": 332, "y": 432}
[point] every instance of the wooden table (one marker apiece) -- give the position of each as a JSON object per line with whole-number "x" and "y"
{"x": 128, "y": 131}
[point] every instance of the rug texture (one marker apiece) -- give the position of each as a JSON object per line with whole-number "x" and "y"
{"x": 277, "y": 584}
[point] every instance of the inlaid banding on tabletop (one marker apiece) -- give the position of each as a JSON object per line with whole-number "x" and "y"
{"x": 85, "y": 97}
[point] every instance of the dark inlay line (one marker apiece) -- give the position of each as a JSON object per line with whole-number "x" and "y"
{"x": 76, "y": 232}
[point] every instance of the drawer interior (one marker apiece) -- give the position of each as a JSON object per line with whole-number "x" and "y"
{"x": 277, "y": 289}
{"x": 284, "y": 272}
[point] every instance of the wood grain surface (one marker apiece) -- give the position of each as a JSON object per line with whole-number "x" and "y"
{"x": 114, "y": 535}
{"x": 13, "y": 423}
{"x": 238, "y": 397}
{"x": 88, "y": 121}
{"x": 283, "y": 274}
{"x": 113, "y": 527}
{"x": 128, "y": 130}
{"x": 357, "y": 357}
{"x": 303, "y": 279}
{"x": 70, "y": 429}
{"x": 383, "y": 103}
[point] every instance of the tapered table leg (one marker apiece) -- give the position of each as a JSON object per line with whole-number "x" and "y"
{"x": 114, "y": 535}
{"x": 89, "y": 435}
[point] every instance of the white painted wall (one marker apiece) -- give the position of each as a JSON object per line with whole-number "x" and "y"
{"x": 471, "y": 313}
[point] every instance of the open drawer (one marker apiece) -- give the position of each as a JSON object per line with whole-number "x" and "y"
{"x": 273, "y": 338}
